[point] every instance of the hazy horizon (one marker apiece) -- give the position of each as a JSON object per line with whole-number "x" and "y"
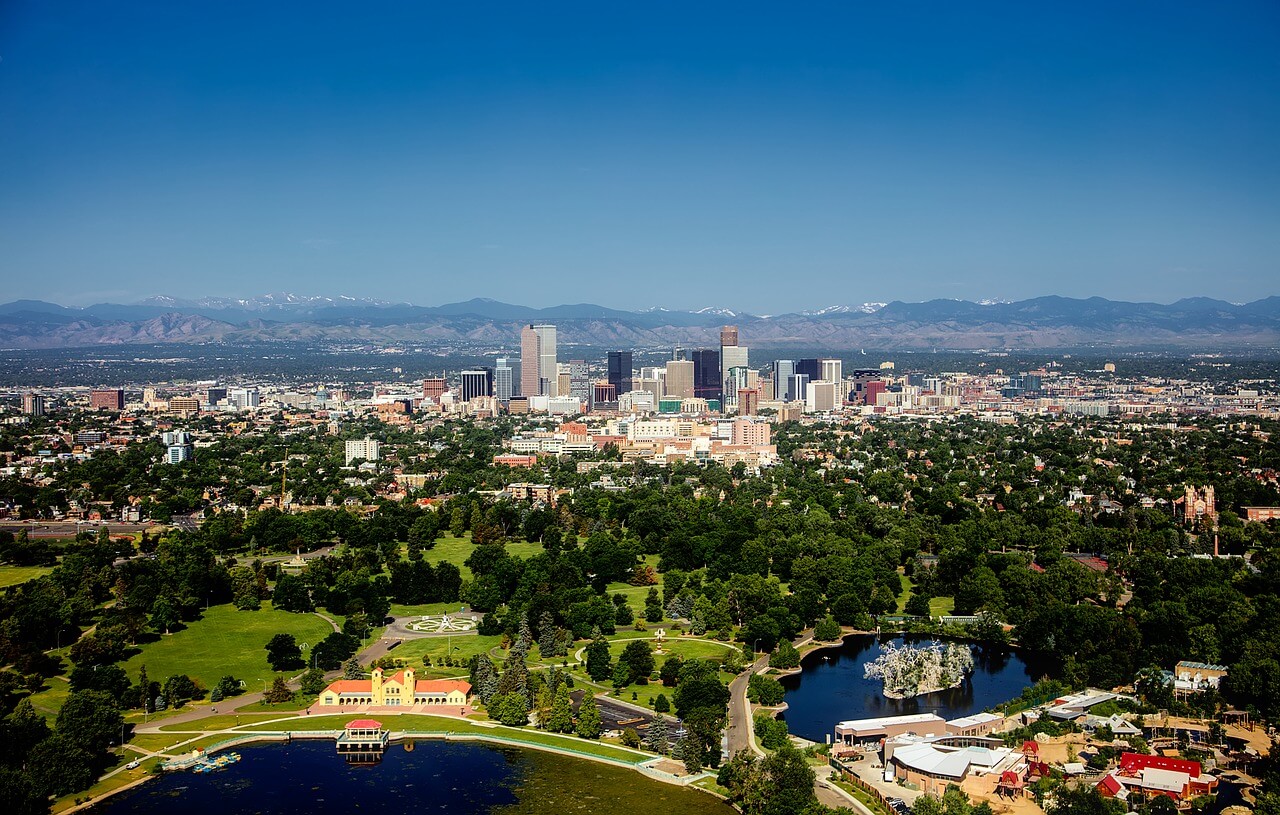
{"x": 728, "y": 155}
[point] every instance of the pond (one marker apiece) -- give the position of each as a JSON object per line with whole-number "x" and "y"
{"x": 830, "y": 687}
{"x": 457, "y": 778}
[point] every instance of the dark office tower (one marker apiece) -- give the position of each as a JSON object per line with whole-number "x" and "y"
{"x": 215, "y": 395}
{"x": 706, "y": 374}
{"x": 811, "y": 368}
{"x": 477, "y": 382}
{"x": 783, "y": 370}
{"x": 619, "y": 375}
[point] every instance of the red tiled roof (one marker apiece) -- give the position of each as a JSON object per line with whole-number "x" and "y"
{"x": 1134, "y": 763}
{"x": 364, "y": 724}
{"x": 1110, "y": 786}
{"x": 350, "y": 686}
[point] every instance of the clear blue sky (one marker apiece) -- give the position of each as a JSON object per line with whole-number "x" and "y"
{"x": 765, "y": 157}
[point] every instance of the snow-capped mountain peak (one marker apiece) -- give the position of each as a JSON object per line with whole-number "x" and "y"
{"x": 719, "y": 312}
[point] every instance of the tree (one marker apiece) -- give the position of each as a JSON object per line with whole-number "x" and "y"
{"x": 283, "y": 653}
{"x": 599, "y": 663}
{"x": 560, "y": 719}
{"x": 291, "y": 594}
{"x": 630, "y": 738}
{"x": 771, "y": 732}
{"x": 244, "y": 589}
{"x": 279, "y": 692}
{"x": 163, "y": 615}
{"x": 785, "y": 657}
{"x": 638, "y": 657}
{"x": 510, "y": 709}
{"x": 228, "y": 686}
{"x": 90, "y": 719}
{"x": 59, "y": 765}
{"x": 827, "y": 630}
{"x": 764, "y": 690}
{"x": 351, "y": 669}
{"x": 655, "y": 738}
{"x": 588, "y": 726}
{"x": 653, "y": 606}
{"x": 661, "y": 704}
{"x": 313, "y": 682}
{"x": 918, "y": 605}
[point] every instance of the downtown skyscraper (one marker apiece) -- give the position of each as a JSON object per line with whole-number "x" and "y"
{"x": 538, "y": 374}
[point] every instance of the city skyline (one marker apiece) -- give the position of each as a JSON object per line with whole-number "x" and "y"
{"x": 997, "y": 150}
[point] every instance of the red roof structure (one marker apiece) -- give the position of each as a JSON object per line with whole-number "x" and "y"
{"x": 364, "y": 724}
{"x": 1135, "y": 763}
{"x": 1030, "y": 748}
{"x": 1109, "y": 786}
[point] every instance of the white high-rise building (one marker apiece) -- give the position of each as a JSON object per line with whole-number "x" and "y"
{"x": 366, "y": 448}
{"x": 503, "y": 379}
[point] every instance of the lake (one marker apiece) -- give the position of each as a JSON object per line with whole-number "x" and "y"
{"x": 830, "y": 687}
{"x": 458, "y": 778}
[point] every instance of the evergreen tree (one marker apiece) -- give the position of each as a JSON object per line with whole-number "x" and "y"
{"x": 546, "y": 635}
{"x": 599, "y": 663}
{"x": 144, "y": 689}
{"x": 351, "y": 669}
{"x": 279, "y": 692}
{"x": 653, "y": 606}
{"x": 589, "y": 717}
{"x": 560, "y": 720}
{"x": 656, "y": 737}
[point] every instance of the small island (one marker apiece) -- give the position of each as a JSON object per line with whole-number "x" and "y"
{"x": 910, "y": 670}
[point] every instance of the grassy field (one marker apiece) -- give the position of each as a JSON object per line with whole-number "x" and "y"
{"x": 226, "y": 641}
{"x": 456, "y": 550}
{"x": 415, "y": 722}
{"x": 938, "y": 606}
{"x": 645, "y": 695}
{"x": 464, "y": 647}
{"x": 635, "y": 594}
{"x": 13, "y": 575}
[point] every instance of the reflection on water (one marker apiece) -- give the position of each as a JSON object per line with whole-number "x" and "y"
{"x": 831, "y": 688}
{"x": 429, "y": 776}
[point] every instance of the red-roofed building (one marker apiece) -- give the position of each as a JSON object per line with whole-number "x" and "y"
{"x": 1150, "y": 776}
{"x": 1134, "y": 763}
{"x": 401, "y": 689}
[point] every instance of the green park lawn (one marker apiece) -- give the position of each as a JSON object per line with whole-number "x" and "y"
{"x": 226, "y": 641}
{"x": 938, "y": 606}
{"x": 464, "y": 647}
{"x": 456, "y": 550}
{"x": 14, "y": 575}
{"x": 422, "y": 723}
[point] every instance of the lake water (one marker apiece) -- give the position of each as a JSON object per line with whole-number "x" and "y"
{"x": 435, "y": 777}
{"x": 830, "y": 687}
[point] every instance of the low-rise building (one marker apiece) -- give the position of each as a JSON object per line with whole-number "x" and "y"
{"x": 398, "y": 690}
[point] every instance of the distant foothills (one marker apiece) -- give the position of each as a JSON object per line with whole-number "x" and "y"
{"x": 1198, "y": 323}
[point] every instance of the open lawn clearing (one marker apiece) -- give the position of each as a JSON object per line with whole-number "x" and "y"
{"x": 420, "y": 723}
{"x": 13, "y": 575}
{"x": 50, "y": 700}
{"x": 226, "y": 641}
{"x": 299, "y": 702}
{"x": 224, "y": 721}
{"x": 456, "y": 551}
{"x": 940, "y": 606}
{"x": 464, "y": 647}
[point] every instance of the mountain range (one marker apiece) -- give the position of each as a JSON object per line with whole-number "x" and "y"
{"x": 1042, "y": 322}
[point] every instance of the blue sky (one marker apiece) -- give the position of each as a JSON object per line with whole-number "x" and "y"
{"x": 758, "y": 156}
